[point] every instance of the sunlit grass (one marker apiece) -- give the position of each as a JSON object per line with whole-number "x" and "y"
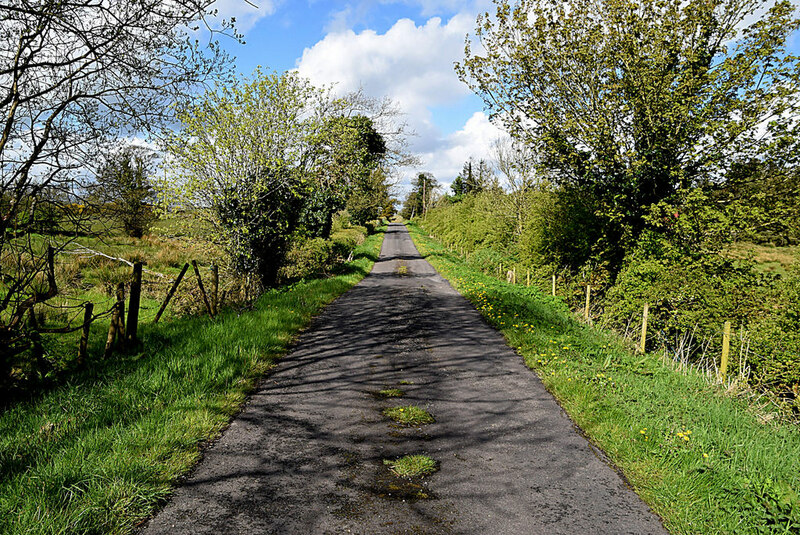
{"x": 98, "y": 454}
{"x": 705, "y": 462}
{"x": 391, "y": 393}
{"x": 411, "y": 465}
{"x": 409, "y": 415}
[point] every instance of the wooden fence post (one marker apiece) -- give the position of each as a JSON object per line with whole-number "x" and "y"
{"x": 112, "y": 331}
{"x": 726, "y": 344}
{"x": 171, "y": 293}
{"x": 554, "y": 284}
{"x": 87, "y": 323}
{"x": 120, "y": 328}
{"x": 528, "y": 278}
{"x": 202, "y": 288}
{"x": 133, "y": 304}
{"x": 215, "y": 289}
{"x": 588, "y": 298}
{"x": 643, "y": 342}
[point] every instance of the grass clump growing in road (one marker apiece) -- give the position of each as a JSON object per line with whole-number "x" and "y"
{"x": 411, "y": 465}
{"x": 97, "y": 455}
{"x": 391, "y": 393}
{"x": 704, "y": 461}
{"x": 409, "y": 415}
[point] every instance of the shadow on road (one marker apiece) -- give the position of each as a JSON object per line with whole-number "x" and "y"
{"x": 306, "y": 455}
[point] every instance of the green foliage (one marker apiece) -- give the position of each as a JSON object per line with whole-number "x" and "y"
{"x": 688, "y": 294}
{"x": 412, "y": 465}
{"x": 349, "y": 155}
{"x": 241, "y": 158}
{"x": 631, "y": 101}
{"x": 310, "y": 257}
{"x": 371, "y": 198}
{"x": 705, "y": 462}
{"x": 681, "y": 267}
{"x": 420, "y": 198}
{"x": 391, "y": 393}
{"x": 474, "y": 178}
{"x": 409, "y": 415}
{"x": 271, "y": 158}
{"x": 473, "y": 223}
{"x": 102, "y": 453}
{"x": 345, "y": 240}
{"x": 124, "y": 189}
{"x": 771, "y": 191}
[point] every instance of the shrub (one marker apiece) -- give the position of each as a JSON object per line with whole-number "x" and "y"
{"x": 308, "y": 257}
{"x": 345, "y": 240}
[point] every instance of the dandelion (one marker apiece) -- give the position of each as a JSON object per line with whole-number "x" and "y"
{"x": 705, "y": 456}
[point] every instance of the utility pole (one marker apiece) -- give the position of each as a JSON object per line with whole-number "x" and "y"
{"x": 424, "y": 195}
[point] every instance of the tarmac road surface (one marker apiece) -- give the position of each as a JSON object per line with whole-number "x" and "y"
{"x": 306, "y": 454}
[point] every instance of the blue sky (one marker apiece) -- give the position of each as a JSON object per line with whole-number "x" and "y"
{"x": 403, "y": 49}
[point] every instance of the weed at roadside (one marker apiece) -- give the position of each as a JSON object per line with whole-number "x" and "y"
{"x": 412, "y": 465}
{"x": 409, "y": 415}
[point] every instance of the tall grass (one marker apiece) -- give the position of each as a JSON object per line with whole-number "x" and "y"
{"x": 704, "y": 461}
{"x": 98, "y": 454}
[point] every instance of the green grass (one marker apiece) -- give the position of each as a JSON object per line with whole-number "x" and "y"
{"x": 704, "y": 461}
{"x": 98, "y": 454}
{"x": 391, "y": 393}
{"x": 411, "y": 465}
{"x": 409, "y": 415}
{"x": 769, "y": 259}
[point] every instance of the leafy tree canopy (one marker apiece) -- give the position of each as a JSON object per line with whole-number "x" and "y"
{"x": 633, "y": 101}
{"x": 124, "y": 189}
{"x": 274, "y": 157}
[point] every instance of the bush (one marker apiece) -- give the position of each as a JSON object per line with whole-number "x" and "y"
{"x": 308, "y": 257}
{"x": 344, "y": 241}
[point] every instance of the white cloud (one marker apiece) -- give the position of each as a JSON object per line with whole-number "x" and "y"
{"x": 475, "y": 140}
{"x": 413, "y": 65}
{"x": 246, "y": 13}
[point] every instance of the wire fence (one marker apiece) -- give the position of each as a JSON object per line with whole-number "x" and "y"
{"x": 723, "y": 356}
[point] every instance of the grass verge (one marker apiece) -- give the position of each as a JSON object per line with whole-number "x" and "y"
{"x": 409, "y": 415}
{"x": 98, "y": 455}
{"x": 704, "y": 461}
{"x": 411, "y": 465}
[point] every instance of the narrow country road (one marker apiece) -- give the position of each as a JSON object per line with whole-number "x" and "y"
{"x": 306, "y": 454}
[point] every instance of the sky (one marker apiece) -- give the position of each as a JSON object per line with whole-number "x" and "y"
{"x": 401, "y": 49}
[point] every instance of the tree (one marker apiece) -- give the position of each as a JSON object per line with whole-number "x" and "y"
{"x": 124, "y": 189}
{"x": 351, "y": 152}
{"x": 271, "y": 158}
{"x": 421, "y": 197}
{"x": 518, "y": 165}
{"x": 632, "y": 101}
{"x": 371, "y": 198}
{"x": 243, "y": 161}
{"x": 75, "y": 75}
{"x": 458, "y": 187}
